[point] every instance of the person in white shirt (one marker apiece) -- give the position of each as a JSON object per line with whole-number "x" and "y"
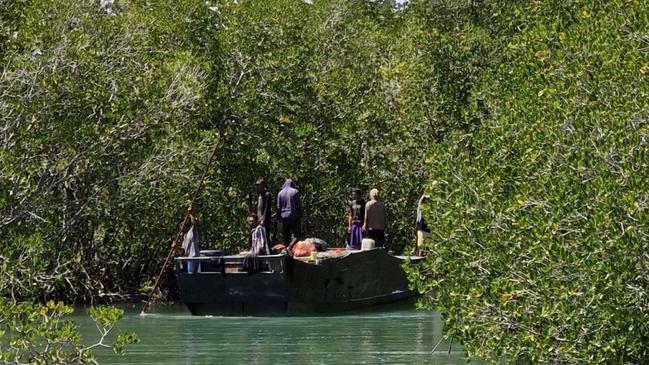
{"x": 190, "y": 241}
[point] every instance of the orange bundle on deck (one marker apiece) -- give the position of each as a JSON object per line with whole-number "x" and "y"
{"x": 303, "y": 248}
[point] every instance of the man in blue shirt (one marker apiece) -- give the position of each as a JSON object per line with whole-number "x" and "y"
{"x": 288, "y": 208}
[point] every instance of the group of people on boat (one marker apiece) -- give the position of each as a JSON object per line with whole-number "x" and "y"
{"x": 365, "y": 220}
{"x": 289, "y": 209}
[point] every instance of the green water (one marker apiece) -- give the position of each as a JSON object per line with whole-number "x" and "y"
{"x": 170, "y": 335}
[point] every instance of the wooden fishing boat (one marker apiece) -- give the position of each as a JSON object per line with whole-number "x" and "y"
{"x": 336, "y": 281}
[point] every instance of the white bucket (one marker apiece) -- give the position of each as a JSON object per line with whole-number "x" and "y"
{"x": 367, "y": 244}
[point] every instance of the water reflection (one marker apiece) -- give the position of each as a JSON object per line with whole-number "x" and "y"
{"x": 171, "y": 336}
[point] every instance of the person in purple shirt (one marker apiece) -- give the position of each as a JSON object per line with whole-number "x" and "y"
{"x": 288, "y": 208}
{"x": 356, "y": 218}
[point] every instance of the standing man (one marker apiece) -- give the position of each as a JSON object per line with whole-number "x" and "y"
{"x": 288, "y": 208}
{"x": 356, "y": 219}
{"x": 375, "y": 219}
{"x": 190, "y": 241}
{"x": 423, "y": 231}
{"x": 264, "y": 203}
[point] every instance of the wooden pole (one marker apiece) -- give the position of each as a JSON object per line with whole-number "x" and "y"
{"x": 180, "y": 231}
{"x": 166, "y": 262}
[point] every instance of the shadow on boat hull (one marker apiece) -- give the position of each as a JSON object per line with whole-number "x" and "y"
{"x": 360, "y": 279}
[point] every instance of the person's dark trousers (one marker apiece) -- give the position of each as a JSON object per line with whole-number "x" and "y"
{"x": 267, "y": 228}
{"x": 290, "y": 225}
{"x": 378, "y": 235}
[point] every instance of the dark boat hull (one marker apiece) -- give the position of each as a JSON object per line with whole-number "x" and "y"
{"x": 358, "y": 280}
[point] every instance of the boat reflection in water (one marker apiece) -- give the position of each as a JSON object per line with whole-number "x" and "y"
{"x": 334, "y": 281}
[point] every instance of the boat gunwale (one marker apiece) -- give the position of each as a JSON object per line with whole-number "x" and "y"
{"x": 305, "y": 259}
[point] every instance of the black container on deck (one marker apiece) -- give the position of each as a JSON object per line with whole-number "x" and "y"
{"x": 211, "y": 266}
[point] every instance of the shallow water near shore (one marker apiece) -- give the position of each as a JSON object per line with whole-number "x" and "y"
{"x": 170, "y": 335}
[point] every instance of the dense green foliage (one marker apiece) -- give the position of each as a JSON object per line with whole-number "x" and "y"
{"x": 540, "y": 207}
{"x": 98, "y": 112}
{"x": 109, "y": 115}
{"x": 40, "y": 334}
{"x": 324, "y": 94}
{"x": 529, "y": 120}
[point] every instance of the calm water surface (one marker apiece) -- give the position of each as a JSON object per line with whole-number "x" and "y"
{"x": 170, "y": 335}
